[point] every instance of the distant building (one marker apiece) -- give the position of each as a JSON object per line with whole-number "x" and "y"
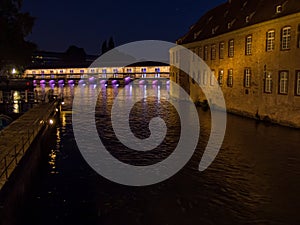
{"x": 47, "y": 59}
{"x": 253, "y": 49}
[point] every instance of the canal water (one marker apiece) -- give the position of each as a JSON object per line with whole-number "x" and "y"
{"x": 255, "y": 178}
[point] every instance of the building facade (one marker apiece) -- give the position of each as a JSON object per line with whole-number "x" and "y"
{"x": 253, "y": 50}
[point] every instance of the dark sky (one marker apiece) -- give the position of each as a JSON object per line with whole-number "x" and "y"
{"x": 87, "y": 23}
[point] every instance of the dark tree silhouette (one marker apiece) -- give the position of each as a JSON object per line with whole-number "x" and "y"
{"x": 14, "y": 27}
{"x": 111, "y": 43}
{"x": 104, "y": 47}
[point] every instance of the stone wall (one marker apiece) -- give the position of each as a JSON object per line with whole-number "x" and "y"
{"x": 253, "y": 101}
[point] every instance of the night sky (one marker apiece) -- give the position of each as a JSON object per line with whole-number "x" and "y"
{"x": 86, "y": 24}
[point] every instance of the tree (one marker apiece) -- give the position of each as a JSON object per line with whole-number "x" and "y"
{"x": 15, "y": 26}
{"x": 111, "y": 43}
{"x": 104, "y": 47}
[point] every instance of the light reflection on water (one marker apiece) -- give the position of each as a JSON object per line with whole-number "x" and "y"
{"x": 255, "y": 179}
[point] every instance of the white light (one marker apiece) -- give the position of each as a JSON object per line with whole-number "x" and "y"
{"x": 51, "y": 121}
{"x": 14, "y": 71}
{"x": 62, "y": 103}
{"x": 56, "y": 109}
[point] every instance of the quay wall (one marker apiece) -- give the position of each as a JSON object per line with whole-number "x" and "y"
{"x": 23, "y": 148}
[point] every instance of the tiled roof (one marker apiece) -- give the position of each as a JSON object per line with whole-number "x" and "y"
{"x": 236, "y": 14}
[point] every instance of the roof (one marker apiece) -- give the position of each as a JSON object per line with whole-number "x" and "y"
{"x": 237, "y": 14}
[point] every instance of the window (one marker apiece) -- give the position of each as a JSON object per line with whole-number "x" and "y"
{"x": 286, "y": 38}
{"x": 247, "y": 78}
{"x": 231, "y": 48}
{"x": 157, "y": 72}
{"x": 270, "y": 40}
{"x": 220, "y": 77}
{"x": 104, "y": 73}
{"x": 283, "y": 82}
{"x": 278, "y": 8}
{"x": 92, "y": 70}
{"x": 129, "y": 70}
{"x": 115, "y": 71}
{"x": 297, "y": 91}
{"x": 33, "y": 72}
{"x": 51, "y": 71}
{"x": 144, "y": 70}
{"x": 230, "y": 78}
{"x": 42, "y": 72}
{"x": 249, "y": 45}
{"x": 81, "y": 71}
{"x": 213, "y": 52}
{"x": 61, "y": 71}
{"x": 268, "y": 82}
{"x": 71, "y": 71}
{"x": 206, "y": 52}
{"x": 221, "y": 50}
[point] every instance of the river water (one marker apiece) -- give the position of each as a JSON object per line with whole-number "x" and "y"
{"x": 255, "y": 178}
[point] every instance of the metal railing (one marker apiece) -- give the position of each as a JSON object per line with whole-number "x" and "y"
{"x": 10, "y": 160}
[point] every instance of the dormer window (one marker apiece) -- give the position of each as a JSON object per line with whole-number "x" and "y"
{"x": 214, "y": 30}
{"x": 247, "y": 19}
{"x": 278, "y": 8}
{"x": 226, "y": 13}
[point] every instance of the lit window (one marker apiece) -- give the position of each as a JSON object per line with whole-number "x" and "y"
{"x": 221, "y": 50}
{"x": 231, "y": 48}
{"x": 278, "y": 8}
{"x": 230, "y": 78}
{"x": 298, "y": 83}
{"x": 213, "y": 52}
{"x": 285, "y": 38}
{"x": 104, "y": 73}
{"x": 220, "y": 77}
{"x": 268, "y": 82}
{"x": 249, "y": 45}
{"x": 157, "y": 72}
{"x": 283, "y": 82}
{"x": 270, "y": 40}
{"x": 247, "y": 78}
{"x": 206, "y": 52}
{"x": 115, "y": 73}
{"x": 33, "y": 72}
{"x": 144, "y": 70}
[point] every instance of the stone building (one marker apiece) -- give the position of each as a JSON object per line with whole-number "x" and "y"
{"x": 253, "y": 49}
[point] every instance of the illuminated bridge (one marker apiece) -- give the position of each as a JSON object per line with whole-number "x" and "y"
{"x": 104, "y": 75}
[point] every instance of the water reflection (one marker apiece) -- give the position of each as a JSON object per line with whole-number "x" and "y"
{"x": 254, "y": 180}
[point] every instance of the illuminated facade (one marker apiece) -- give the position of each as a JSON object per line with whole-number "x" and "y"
{"x": 253, "y": 50}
